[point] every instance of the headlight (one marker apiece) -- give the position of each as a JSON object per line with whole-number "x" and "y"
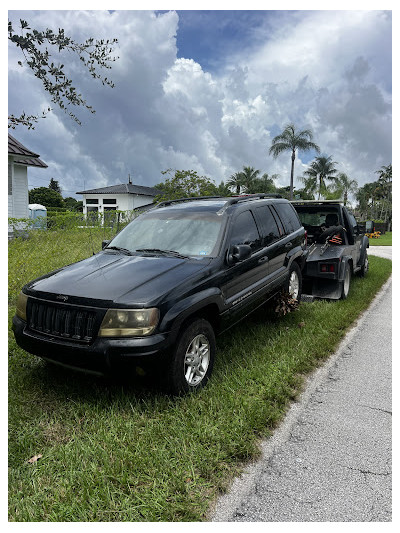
{"x": 129, "y": 322}
{"x": 21, "y": 305}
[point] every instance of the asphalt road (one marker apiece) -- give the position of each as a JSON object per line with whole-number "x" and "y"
{"x": 330, "y": 460}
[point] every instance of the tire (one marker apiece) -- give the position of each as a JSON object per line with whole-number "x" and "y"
{"x": 192, "y": 359}
{"x": 364, "y": 268}
{"x": 346, "y": 282}
{"x": 294, "y": 282}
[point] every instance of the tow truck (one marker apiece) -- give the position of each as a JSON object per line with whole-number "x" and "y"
{"x": 336, "y": 248}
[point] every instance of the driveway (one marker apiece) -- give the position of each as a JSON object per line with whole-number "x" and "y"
{"x": 381, "y": 251}
{"x": 330, "y": 460}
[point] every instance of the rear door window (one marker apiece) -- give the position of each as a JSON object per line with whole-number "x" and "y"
{"x": 269, "y": 228}
{"x": 288, "y": 216}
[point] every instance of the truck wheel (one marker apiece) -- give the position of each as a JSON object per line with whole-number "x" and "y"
{"x": 346, "y": 282}
{"x": 364, "y": 269}
{"x": 294, "y": 282}
{"x": 193, "y": 358}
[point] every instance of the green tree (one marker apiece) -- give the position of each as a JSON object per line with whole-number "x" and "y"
{"x": 45, "y": 196}
{"x": 320, "y": 170}
{"x": 72, "y": 204}
{"x": 35, "y": 46}
{"x": 235, "y": 182}
{"x": 375, "y": 199}
{"x": 223, "y": 189}
{"x": 291, "y": 140}
{"x": 310, "y": 186}
{"x": 344, "y": 186}
{"x": 265, "y": 185}
{"x": 184, "y": 184}
{"x": 54, "y": 185}
{"x": 249, "y": 177}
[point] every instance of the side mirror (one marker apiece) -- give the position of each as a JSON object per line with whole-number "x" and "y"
{"x": 239, "y": 252}
{"x": 104, "y": 244}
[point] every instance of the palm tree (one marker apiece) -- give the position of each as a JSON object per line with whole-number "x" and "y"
{"x": 321, "y": 169}
{"x": 310, "y": 186}
{"x": 265, "y": 184}
{"x": 249, "y": 175}
{"x": 345, "y": 186}
{"x": 235, "y": 182}
{"x": 291, "y": 140}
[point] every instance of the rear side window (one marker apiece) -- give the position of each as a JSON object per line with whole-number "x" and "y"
{"x": 245, "y": 231}
{"x": 289, "y": 217}
{"x": 269, "y": 229}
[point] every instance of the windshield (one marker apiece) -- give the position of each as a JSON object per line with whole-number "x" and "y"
{"x": 190, "y": 234}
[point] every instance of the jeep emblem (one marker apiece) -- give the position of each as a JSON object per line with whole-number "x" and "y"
{"x": 61, "y": 297}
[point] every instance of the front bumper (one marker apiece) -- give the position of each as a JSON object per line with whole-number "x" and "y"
{"x": 103, "y": 356}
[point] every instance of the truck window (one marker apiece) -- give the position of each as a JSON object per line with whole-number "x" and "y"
{"x": 269, "y": 230}
{"x": 244, "y": 231}
{"x": 289, "y": 217}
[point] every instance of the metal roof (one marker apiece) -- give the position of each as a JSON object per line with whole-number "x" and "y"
{"x": 123, "y": 188}
{"x": 29, "y": 158}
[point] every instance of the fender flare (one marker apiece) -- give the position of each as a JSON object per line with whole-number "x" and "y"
{"x": 346, "y": 259}
{"x": 363, "y": 253}
{"x": 188, "y": 306}
{"x": 293, "y": 255}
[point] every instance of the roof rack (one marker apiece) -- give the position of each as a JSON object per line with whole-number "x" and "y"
{"x": 228, "y": 200}
{"x": 338, "y": 201}
{"x": 246, "y": 197}
{"x": 190, "y": 199}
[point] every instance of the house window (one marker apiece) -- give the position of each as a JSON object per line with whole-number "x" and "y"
{"x": 109, "y": 201}
{"x": 91, "y": 201}
{"x": 110, "y": 208}
{"x": 92, "y": 209}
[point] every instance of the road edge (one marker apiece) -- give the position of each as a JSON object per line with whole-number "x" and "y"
{"x": 225, "y": 506}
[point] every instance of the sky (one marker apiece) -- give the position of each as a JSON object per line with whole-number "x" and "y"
{"x": 207, "y": 90}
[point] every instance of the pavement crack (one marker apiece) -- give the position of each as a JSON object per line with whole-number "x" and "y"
{"x": 377, "y": 409}
{"x": 362, "y": 471}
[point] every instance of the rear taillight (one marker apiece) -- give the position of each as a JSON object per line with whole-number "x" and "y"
{"x": 327, "y": 267}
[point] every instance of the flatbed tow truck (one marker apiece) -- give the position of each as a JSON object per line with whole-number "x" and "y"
{"x": 336, "y": 249}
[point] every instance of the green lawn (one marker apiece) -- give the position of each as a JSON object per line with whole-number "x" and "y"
{"x": 383, "y": 240}
{"x": 122, "y": 451}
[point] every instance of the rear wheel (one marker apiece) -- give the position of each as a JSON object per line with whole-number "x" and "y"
{"x": 294, "y": 282}
{"x": 346, "y": 282}
{"x": 192, "y": 360}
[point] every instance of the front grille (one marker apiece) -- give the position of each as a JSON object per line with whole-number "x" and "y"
{"x": 67, "y": 322}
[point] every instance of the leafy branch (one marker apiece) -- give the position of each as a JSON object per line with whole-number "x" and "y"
{"x": 93, "y": 54}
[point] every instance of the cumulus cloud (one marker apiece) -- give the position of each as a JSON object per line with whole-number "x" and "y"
{"x": 327, "y": 70}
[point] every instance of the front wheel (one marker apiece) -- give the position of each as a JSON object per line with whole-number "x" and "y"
{"x": 364, "y": 269}
{"x": 192, "y": 360}
{"x": 294, "y": 282}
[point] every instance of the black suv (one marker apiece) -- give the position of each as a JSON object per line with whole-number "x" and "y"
{"x": 157, "y": 294}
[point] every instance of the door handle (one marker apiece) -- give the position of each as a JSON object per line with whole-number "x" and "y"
{"x": 263, "y": 259}
{"x": 288, "y": 245}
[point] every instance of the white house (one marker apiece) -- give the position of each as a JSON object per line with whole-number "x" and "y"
{"x": 19, "y": 159}
{"x": 121, "y": 197}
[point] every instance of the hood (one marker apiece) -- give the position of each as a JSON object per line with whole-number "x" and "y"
{"x": 118, "y": 278}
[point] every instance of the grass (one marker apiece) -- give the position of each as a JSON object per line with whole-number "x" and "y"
{"x": 383, "y": 240}
{"x": 122, "y": 451}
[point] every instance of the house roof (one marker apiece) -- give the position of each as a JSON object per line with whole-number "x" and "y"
{"x": 123, "y": 188}
{"x": 22, "y": 155}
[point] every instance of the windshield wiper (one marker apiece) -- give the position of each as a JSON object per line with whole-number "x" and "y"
{"x": 166, "y": 252}
{"x": 119, "y": 249}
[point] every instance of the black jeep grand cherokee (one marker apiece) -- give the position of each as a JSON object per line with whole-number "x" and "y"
{"x": 157, "y": 294}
